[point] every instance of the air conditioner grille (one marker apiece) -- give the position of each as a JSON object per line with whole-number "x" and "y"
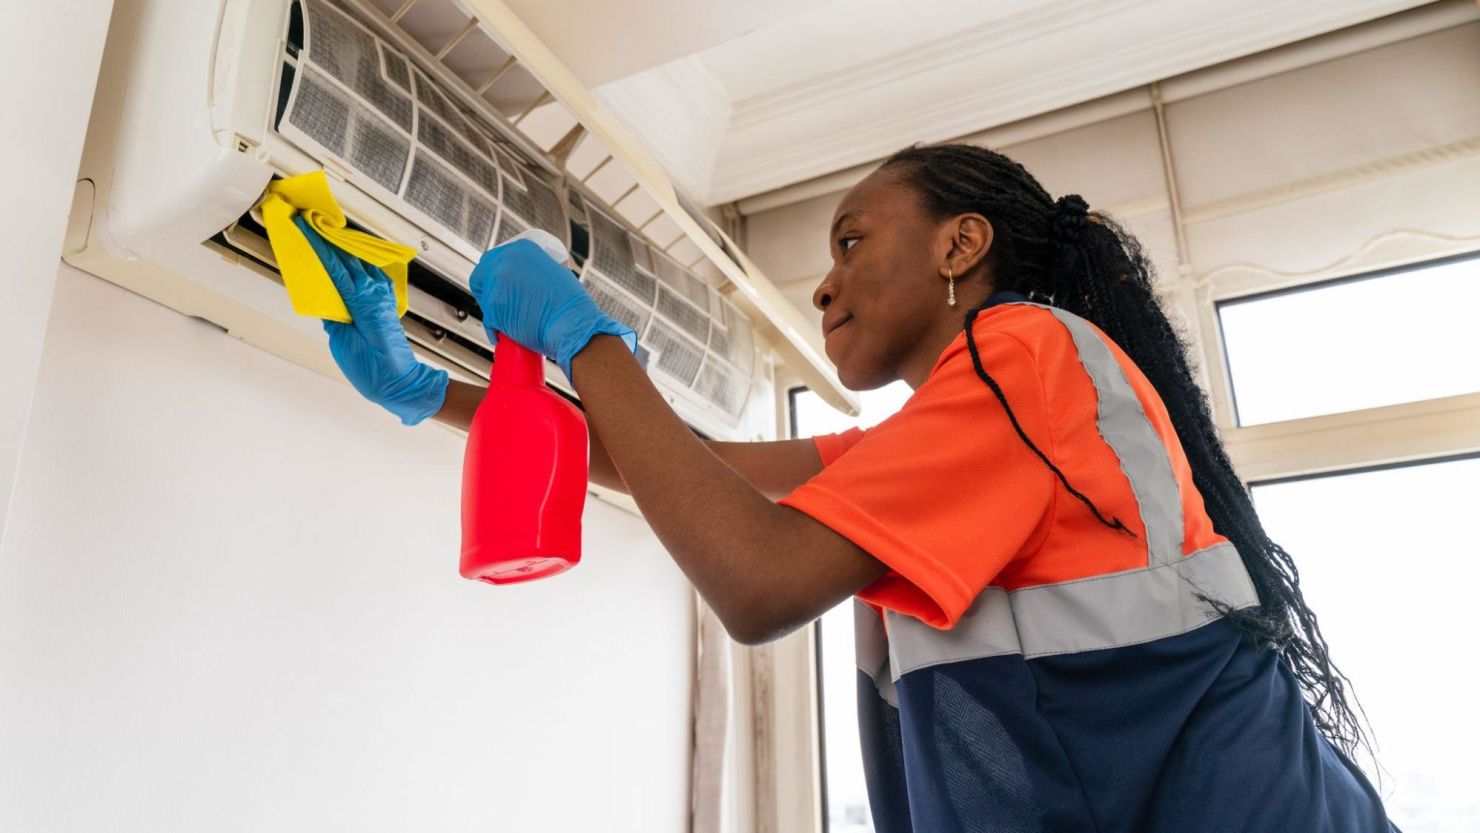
{"x": 642, "y": 254}
{"x": 348, "y": 130}
{"x": 349, "y": 53}
{"x": 677, "y": 356}
{"x": 434, "y": 190}
{"x": 549, "y": 211}
{"x": 454, "y": 150}
{"x": 675, "y": 276}
{"x": 741, "y": 341}
{"x": 723, "y": 388}
{"x": 611, "y": 253}
{"x": 689, "y": 319}
{"x": 395, "y": 69}
{"x": 618, "y": 304}
{"x": 507, "y": 164}
{"x": 508, "y": 226}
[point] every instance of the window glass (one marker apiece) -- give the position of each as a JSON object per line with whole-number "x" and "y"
{"x": 1395, "y": 337}
{"x": 842, "y": 757}
{"x": 842, "y": 760}
{"x": 1389, "y": 563}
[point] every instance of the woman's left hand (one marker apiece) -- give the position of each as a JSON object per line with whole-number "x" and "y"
{"x": 531, "y": 298}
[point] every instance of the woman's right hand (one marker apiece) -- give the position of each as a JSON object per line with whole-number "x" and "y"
{"x": 372, "y": 350}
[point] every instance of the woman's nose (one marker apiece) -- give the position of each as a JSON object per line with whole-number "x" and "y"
{"x": 823, "y": 294}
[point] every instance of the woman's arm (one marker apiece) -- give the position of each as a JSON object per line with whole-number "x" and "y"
{"x": 766, "y": 569}
{"x": 773, "y": 468}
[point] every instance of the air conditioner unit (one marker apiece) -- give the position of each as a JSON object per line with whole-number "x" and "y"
{"x": 442, "y": 126}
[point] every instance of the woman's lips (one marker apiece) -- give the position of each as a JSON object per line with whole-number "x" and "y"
{"x": 835, "y": 327}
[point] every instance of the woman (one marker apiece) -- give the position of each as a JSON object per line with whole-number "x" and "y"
{"x": 1069, "y": 615}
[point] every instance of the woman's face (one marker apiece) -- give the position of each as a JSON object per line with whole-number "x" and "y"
{"x": 884, "y": 302}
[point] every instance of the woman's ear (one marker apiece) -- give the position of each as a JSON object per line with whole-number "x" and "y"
{"x": 971, "y": 238}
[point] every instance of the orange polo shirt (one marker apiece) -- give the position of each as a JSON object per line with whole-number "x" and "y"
{"x": 947, "y": 495}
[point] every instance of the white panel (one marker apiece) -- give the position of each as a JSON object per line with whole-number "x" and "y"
{"x": 1111, "y": 162}
{"x": 791, "y": 242}
{"x": 1158, "y": 239}
{"x": 229, "y": 601}
{"x": 1435, "y": 205}
{"x": 1356, "y": 110}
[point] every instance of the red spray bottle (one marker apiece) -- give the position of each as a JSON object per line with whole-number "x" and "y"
{"x": 525, "y": 469}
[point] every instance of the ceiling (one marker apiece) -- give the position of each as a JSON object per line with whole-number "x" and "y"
{"x": 741, "y": 98}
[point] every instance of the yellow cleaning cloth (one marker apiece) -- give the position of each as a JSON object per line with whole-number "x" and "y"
{"x": 309, "y": 287}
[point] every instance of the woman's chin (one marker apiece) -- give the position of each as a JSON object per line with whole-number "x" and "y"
{"x": 856, "y": 378}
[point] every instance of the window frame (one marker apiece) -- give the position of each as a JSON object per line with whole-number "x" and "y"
{"x": 819, "y": 741}
{"x": 1385, "y": 435}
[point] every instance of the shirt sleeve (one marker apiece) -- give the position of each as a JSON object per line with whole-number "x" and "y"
{"x": 944, "y": 493}
{"x": 831, "y": 446}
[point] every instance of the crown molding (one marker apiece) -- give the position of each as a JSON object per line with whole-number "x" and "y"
{"x": 965, "y": 45}
{"x": 776, "y": 140}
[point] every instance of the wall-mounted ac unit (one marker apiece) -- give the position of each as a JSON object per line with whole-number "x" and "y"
{"x": 437, "y": 129}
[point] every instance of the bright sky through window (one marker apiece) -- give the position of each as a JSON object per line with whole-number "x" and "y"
{"x": 1392, "y": 338}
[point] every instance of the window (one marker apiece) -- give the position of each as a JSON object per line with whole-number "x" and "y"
{"x": 1388, "y": 564}
{"x": 844, "y": 795}
{"x": 1382, "y": 339}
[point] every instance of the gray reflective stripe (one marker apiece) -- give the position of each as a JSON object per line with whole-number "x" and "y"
{"x": 871, "y": 650}
{"x": 986, "y": 630}
{"x": 1143, "y": 456}
{"x": 1091, "y": 614}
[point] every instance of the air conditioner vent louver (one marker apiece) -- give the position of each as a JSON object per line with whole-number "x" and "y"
{"x": 355, "y": 99}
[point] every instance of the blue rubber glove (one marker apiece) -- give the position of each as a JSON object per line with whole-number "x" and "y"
{"x": 536, "y": 301}
{"x": 372, "y": 350}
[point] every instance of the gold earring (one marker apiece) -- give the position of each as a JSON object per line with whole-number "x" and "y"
{"x": 951, "y": 276}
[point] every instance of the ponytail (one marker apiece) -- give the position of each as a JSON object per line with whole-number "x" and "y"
{"x": 1061, "y": 253}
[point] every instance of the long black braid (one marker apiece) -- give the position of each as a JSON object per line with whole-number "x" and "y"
{"x": 1060, "y": 253}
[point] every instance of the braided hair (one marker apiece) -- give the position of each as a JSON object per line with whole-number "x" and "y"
{"x": 1058, "y": 252}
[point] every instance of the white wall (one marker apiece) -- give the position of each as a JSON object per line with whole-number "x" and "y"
{"x": 229, "y": 601}
{"x": 59, "y": 42}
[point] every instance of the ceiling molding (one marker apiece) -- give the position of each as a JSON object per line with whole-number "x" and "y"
{"x": 964, "y": 45}
{"x": 775, "y": 140}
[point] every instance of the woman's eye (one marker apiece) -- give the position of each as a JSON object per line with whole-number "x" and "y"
{"x": 846, "y": 243}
